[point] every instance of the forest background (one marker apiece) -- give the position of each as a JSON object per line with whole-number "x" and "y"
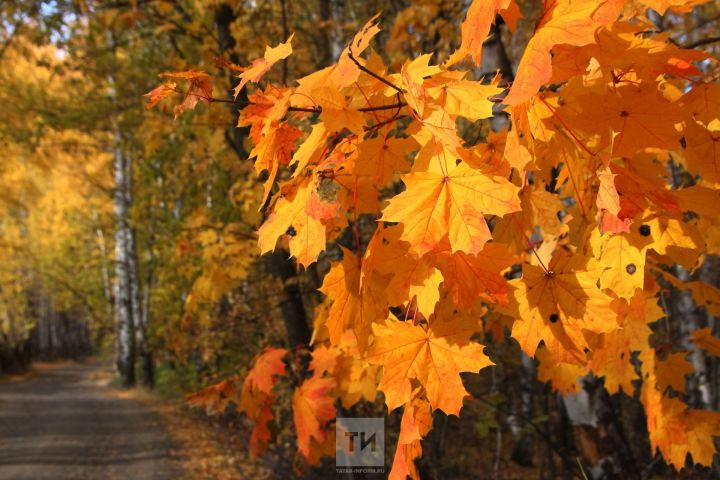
{"x": 131, "y": 233}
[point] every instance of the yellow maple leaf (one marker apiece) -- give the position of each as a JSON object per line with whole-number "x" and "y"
{"x": 450, "y": 200}
{"x": 433, "y": 355}
{"x": 622, "y": 257}
{"x": 466, "y": 98}
{"x": 557, "y": 304}
{"x": 293, "y": 214}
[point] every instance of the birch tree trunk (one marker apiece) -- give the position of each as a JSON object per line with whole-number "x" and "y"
{"x": 146, "y": 367}
{"x": 123, "y": 313}
{"x": 123, "y": 302}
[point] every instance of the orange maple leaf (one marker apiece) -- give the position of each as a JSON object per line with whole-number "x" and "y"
{"x": 450, "y": 200}
{"x": 469, "y": 278}
{"x": 433, "y": 355}
{"x": 563, "y": 21}
{"x": 257, "y": 396}
{"x": 564, "y": 377}
{"x": 215, "y": 398}
{"x": 261, "y": 66}
{"x": 298, "y": 213}
{"x": 313, "y": 408}
{"x": 267, "y": 366}
{"x": 476, "y": 27}
{"x": 703, "y": 151}
{"x": 353, "y": 307}
{"x": 674, "y": 429}
{"x": 639, "y": 116}
{"x": 415, "y": 424}
{"x": 704, "y": 339}
{"x": 557, "y": 304}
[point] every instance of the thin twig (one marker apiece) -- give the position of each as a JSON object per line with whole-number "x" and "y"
{"x": 373, "y": 74}
{"x": 386, "y": 122}
{"x": 292, "y": 108}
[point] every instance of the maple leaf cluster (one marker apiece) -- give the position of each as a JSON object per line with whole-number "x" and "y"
{"x": 556, "y": 229}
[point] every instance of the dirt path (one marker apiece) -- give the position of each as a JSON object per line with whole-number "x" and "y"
{"x": 64, "y": 423}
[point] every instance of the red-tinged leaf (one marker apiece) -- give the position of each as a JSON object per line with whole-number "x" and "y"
{"x": 267, "y": 366}
{"x": 159, "y": 93}
{"x": 313, "y": 408}
{"x": 257, "y": 396}
{"x": 200, "y": 89}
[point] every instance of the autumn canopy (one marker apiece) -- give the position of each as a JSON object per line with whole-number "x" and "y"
{"x": 560, "y": 227}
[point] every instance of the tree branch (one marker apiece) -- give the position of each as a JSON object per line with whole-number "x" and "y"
{"x": 700, "y": 43}
{"x": 397, "y": 105}
{"x": 373, "y": 74}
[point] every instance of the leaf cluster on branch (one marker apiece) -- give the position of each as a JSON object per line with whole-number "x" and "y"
{"x": 559, "y": 229}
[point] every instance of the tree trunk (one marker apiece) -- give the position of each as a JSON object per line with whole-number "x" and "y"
{"x": 328, "y": 45}
{"x": 280, "y": 265}
{"x": 524, "y": 450}
{"x": 107, "y": 289}
{"x": 292, "y": 306}
{"x": 224, "y": 17}
{"x": 688, "y": 317}
{"x": 123, "y": 308}
{"x": 123, "y": 299}
{"x": 147, "y": 361}
{"x": 138, "y": 316}
{"x": 146, "y": 356}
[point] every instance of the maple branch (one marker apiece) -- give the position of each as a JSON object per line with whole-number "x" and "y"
{"x": 373, "y": 74}
{"x": 700, "y": 43}
{"x": 300, "y": 109}
{"x": 386, "y": 122}
{"x": 397, "y": 105}
{"x": 391, "y": 106}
